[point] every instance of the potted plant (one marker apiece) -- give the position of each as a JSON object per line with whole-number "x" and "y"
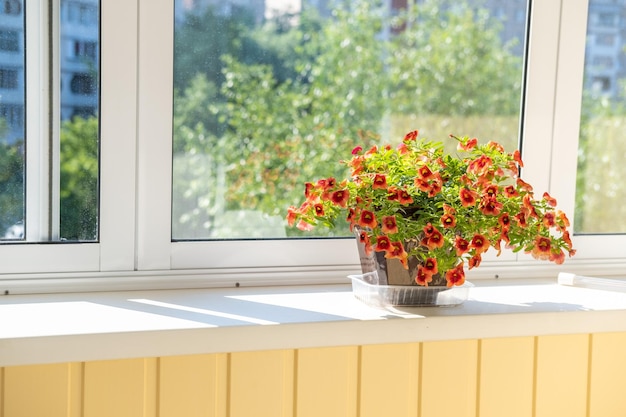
{"x": 435, "y": 213}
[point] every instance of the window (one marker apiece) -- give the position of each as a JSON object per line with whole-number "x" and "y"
{"x": 138, "y": 241}
{"x": 11, "y": 7}
{"x": 8, "y": 78}
{"x": 263, "y": 105}
{"x": 9, "y": 41}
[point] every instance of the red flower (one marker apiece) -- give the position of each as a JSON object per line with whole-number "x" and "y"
{"x": 467, "y": 144}
{"x": 423, "y": 277}
{"x": 319, "y": 209}
{"x": 517, "y": 157}
{"x": 549, "y": 199}
{"x": 461, "y": 245}
{"x": 505, "y": 221}
{"x": 510, "y": 191}
{"x": 480, "y": 243}
{"x": 425, "y": 172}
{"x": 430, "y": 265}
{"x": 367, "y": 219}
{"x": 357, "y": 150}
{"x": 524, "y": 185}
{"x": 549, "y": 219}
{"x": 397, "y": 252}
{"x": 404, "y": 197}
{"x": 455, "y": 276}
{"x": 364, "y": 238}
{"x": 340, "y": 197}
{"x": 490, "y": 206}
{"x": 448, "y": 220}
{"x": 468, "y": 198}
{"x": 435, "y": 240}
{"x": 389, "y": 225}
{"x": 292, "y": 214}
{"x": 429, "y": 229}
{"x": 542, "y": 247}
{"x": 521, "y": 219}
{"x": 383, "y": 244}
{"x": 480, "y": 165}
{"x": 474, "y": 261}
{"x": 380, "y": 182}
{"x": 411, "y": 136}
{"x": 308, "y": 189}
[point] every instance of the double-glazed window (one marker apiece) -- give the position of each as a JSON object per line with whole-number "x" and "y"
{"x": 161, "y": 141}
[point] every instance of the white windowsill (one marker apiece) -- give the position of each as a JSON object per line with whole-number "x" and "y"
{"x": 99, "y": 326}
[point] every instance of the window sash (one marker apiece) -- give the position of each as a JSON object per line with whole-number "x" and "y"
{"x": 136, "y": 155}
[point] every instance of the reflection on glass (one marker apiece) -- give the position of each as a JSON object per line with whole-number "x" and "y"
{"x": 80, "y": 66}
{"x": 600, "y": 187}
{"x": 12, "y": 99}
{"x": 271, "y": 94}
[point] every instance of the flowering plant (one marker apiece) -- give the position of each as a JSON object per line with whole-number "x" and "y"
{"x": 446, "y": 210}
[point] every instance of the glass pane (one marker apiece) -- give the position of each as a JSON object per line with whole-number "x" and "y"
{"x": 600, "y": 187}
{"x": 12, "y": 100}
{"x": 80, "y": 86}
{"x": 270, "y": 94}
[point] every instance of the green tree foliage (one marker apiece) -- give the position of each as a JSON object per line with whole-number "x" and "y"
{"x": 79, "y": 179}
{"x": 295, "y": 94}
{"x": 11, "y": 185}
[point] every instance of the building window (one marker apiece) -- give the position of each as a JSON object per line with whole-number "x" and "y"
{"x": 11, "y": 7}
{"x": 86, "y": 49}
{"x": 9, "y": 41}
{"x": 83, "y": 84}
{"x": 8, "y": 79}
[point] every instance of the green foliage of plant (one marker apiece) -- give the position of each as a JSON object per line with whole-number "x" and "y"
{"x": 79, "y": 179}
{"x": 11, "y": 185}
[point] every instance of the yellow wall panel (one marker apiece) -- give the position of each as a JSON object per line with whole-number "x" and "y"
{"x": 192, "y": 386}
{"x": 388, "y": 380}
{"x": 449, "y": 378}
{"x": 261, "y": 384}
{"x": 562, "y": 375}
{"x": 38, "y": 390}
{"x": 121, "y": 388}
{"x": 608, "y": 375}
{"x": 326, "y": 382}
{"x": 506, "y": 373}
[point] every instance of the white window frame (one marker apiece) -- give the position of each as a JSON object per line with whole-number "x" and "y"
{"x": 135, "y": 249}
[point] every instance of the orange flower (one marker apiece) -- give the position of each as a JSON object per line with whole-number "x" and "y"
{"x": 292, "y": 214}
{"x": 480, "y": 165}
{"x": 549, "y": 219}
{"x": 467, "y": 145}
{"x": 480, "y": 243}
{"x": 404, "y": 197}
{"x": 383, "y": 244}
{"x": 448, "y": 220}
{"x": 461, "y": 245}
{"x": 364, "y": 238}
{"x": 429, "y": 229}
{"x": 474, "y": 261}
{"x": 455, "y": 276}
{"x": 367, "y": 219}
{"x": 380, "y": 182}
{"x": 542, "y": 247}
{"x": 430, "y": 265}
{"x": 524, "y": 185}
{"x": 423, "y": 277}
{"x": 425, "y": 172}
{"x": 549, "y": 199}
{"x": 389, "y": 225}
{"x": 490, "y": 207}
{"x": 340, "y": 197}
{"x": 517, "y": 157}
{"x": 510, "y": 191}
{"x": 411, "y": 136}
{"x": 319, "y": 209}
{"x": 468, "y": 198}
{"x": 397, "y": 252}
{"x": 505, "y": 221}
{"x": 435, "y": 240}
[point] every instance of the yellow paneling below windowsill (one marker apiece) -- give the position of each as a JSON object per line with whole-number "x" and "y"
{"x": 58, "y": 328}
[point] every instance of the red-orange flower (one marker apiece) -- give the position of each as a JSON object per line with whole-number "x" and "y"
{"x": 367, "y": 219}
{"x": 461, "y": 245}
{"x": 319, "y": 209}
{"x": 549, "y": 199}
{"x": 517, "y": 157}
{"x": 383, "y": 244}
{"x": 411, "y": 136}
{"x": 340, "y": 197}
{"x": 504, "y": 221}
{"x": 448, "y": 220}
{"x": 364, "y": 238}
{"x": 429, "y": 229}
{"x": 455, "y": 276}
{"x": 404, "y": 197}
{"x": 430, "y": 265}
{"x": 468, "y": 197}
{"x": 510, "y": 191}
{"x": 524, "y": 185}
{"x": 389, "y": 225}
{"x": 397, "y": 252}
{"x": 474, "y": 261}
{"x": 425, "y": 172}
{"x": 480, "y": 243}
{"x": 490, "y": 206}
{"x": 549, "y": 219}
{"x": 467, "y": 145}
{"x": 480, "y": 165}
{"x": 380, "y": 181}
{"x": 542, "y": 247}
{"x": 423, "y": 277}
{"x": 435, "y": 240}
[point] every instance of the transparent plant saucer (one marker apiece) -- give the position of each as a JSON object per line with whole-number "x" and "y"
{"x": 366, "y": 288}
